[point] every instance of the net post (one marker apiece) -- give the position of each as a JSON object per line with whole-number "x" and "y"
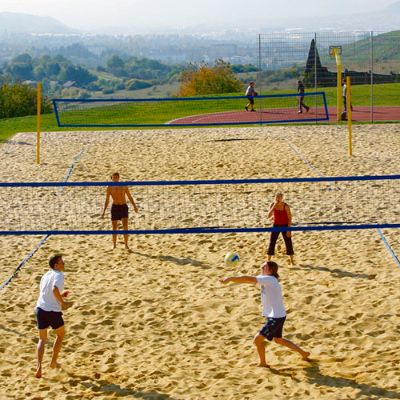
{"x": 349, "y": 114}
{"x": 38, "y": 119}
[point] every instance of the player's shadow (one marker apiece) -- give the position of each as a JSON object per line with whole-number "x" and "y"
{"x": 367, "y": 391}
{"x": 108, "y": 388}
{"x": 175, "y": 260}
{"x": 336, "y": 272}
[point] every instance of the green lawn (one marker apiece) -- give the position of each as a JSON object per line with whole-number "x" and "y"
{"x": 384, "y": 95}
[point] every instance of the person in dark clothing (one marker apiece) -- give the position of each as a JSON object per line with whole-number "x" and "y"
{"x": 300, "y": 98}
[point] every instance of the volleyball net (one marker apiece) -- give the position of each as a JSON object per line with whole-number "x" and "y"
{"x": 208, "y": 206}
{"x": 188, "y": 111}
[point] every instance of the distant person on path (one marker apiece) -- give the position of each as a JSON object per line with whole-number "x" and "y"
{"x": 300, "y": 98}
{"x": 119, "y": 208}
{"x": 250, "y": 94}
{"x": 280, "y": 213}
{"x": 344, "y": 96}
{"x": 273, "y": 310}
{"x": 49, "y": 310}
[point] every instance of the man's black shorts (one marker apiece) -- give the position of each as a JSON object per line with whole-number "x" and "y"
{"x": 273, "y": 328}
{"x": 119, "y": 211}
{"x": 44, "y": 319}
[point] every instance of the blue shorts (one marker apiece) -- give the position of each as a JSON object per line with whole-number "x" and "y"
{"x": 44, "y": 319}
{"x": 273, "y": 328}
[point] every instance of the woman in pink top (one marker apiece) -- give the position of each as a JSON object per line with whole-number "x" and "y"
{"x": 281, "y": 216}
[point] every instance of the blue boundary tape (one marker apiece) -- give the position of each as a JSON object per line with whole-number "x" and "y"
{"x": 388, "y": 247}
{"x": 162, "y": 99}
{"x": 188, "y": 99}
{"x": 25, "y": 260}
{"x": 378, "y": 228}
{"x": 47, "y": 235}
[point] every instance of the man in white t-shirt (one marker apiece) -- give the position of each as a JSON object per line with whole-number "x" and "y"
{"x": 273, "y": 309}
{"x": 49, "y": 310}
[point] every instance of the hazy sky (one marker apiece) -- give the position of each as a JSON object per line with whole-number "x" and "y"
{"x": 83, "y": 14}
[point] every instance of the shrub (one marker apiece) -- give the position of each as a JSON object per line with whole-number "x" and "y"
{"x": 19, "y": 100}
{"x": 209, "y": 80}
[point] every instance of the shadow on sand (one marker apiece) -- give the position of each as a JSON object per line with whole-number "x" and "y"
{"x": 175, "y": 260}
{"x": 103, "y": 386}
{"x": 339, "y": 273}
{"x": 316, "y": 377}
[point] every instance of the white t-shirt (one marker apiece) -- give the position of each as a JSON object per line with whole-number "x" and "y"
{"x": 271, "y": 297}
{"x": 47, "y": 301}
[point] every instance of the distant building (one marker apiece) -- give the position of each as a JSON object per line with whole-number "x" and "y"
{"x": 68, "y": 84}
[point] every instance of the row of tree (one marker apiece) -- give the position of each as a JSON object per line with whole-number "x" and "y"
{"x": 18, "y": 99}
{"x": 23, "y": 67}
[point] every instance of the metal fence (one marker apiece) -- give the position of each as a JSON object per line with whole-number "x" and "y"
{"x": 371, "y": 59}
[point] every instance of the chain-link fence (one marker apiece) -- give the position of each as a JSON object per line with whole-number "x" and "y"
{"x": 371, "y": 59}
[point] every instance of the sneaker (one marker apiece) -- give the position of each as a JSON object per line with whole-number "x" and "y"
{"x": 308, "y": 109}
{"x": 299, "y": 112}
{"x": 253, "y": 110}
{"x": 246, "y": 108}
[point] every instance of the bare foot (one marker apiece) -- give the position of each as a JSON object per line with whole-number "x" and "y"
{"x": 38, "y": 373}
{"x": 263, "y": 365}
{"x": 305, "y": 355}
{"x": 55, "y": 365}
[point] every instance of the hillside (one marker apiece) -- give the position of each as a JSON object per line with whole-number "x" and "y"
{"x": 386, "y": 51}
{"x": 26, "y": 23}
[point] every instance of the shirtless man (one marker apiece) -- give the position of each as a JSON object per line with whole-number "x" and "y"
{"x": 119, "y": 208}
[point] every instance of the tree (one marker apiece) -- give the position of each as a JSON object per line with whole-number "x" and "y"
{"x": 116, "y": 66}
{"x": 209, "y": 80}
{"x": 78, "y": 74}
{"x": 21, "y": 67}
{"x": 17, "y": 100}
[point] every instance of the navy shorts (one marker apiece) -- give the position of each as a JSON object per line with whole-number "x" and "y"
{"x": 119, "y": 211}
{"x": 273, "y": 328}
{"x": 44, "y": 319}
{"x": 251, "y": 99}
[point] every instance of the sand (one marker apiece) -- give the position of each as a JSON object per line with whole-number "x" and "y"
{"x": 156, "y": 323}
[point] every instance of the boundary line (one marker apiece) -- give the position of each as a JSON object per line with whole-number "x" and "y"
{"x": 47, "y": 235}
{"x": 377, "y": 227}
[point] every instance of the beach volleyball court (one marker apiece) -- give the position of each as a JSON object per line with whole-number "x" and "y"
{"x": 156, "y": 322}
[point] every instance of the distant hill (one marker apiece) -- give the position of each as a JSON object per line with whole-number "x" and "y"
{"x": 386, "y": 49}
{"x": 26, "y": 23}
